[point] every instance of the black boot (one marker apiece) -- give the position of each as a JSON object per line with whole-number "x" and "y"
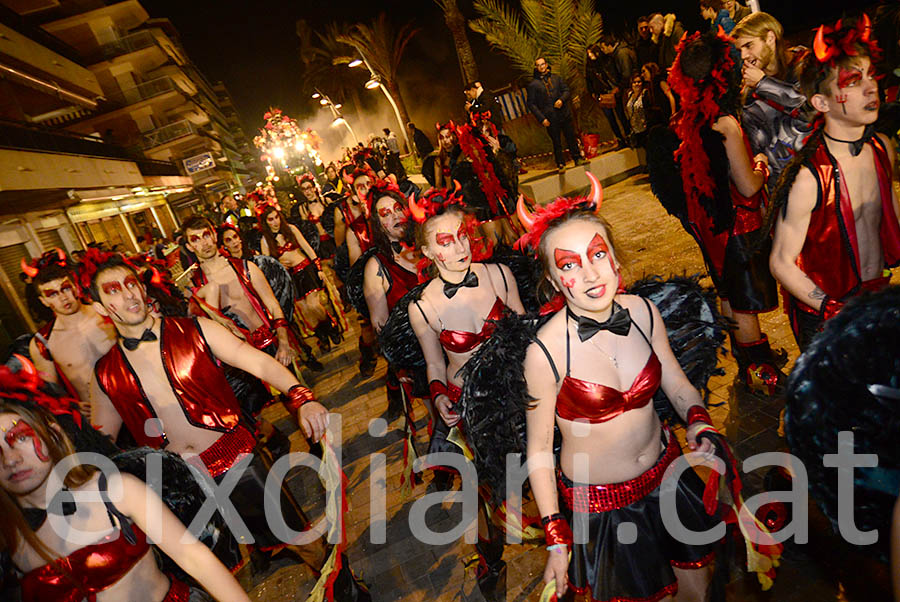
{"x": 395, "y": 407}
{"x": 334, "y": 332}
{"x": 347, "y": 588}
{"x": 491, "y": 572}
{"x": 367, "y": 359}
{"x": 758, "y": 367}
{"x": 321, "y": 331}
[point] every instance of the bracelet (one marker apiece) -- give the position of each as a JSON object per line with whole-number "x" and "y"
{"x": 557, "y": 531}
{"x": 556, "y": 546}
{"x": 436, "y": 388}
{"x": 279, "y": 323}
{"x": 698, "y": 413}
{"x": 830, "y": 308}
{"x": 545, "y": 520}
{"x": 763, "y": 167}
{"x": 296, "y": 397}
{"x": 318, "y": 262}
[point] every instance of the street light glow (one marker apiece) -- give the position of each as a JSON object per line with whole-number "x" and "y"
{"x": 316, "y": 95}
{"x": 338, "y": 106}
{"x": 372, "y": 83}
{"x": 355, "y": 63}
{"x": 323, "y": 102}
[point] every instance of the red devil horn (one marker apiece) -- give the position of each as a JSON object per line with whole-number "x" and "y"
{"x": 820, "y": 46}
{"x": 29, "y": 271}
{"x": 526, "y": 218}
{"x": 596, "y": 191}
{"x": 456, "y": 186}
{"x": 417, "y": 212}
{"x": 865, "y": 27}
{"x": 60, "y": 254}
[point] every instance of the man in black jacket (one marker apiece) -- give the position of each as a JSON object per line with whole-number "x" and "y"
{"x": 481, "y": 102}
{"x": 548, "y": 100}
{"x": 420, "y": 140}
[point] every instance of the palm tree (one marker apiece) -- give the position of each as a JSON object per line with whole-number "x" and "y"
{"x": 382, "y": 48}
{"x": 558, "y": 30}
{"x": 324, "y": 64}
{"x": 456, "y": 23}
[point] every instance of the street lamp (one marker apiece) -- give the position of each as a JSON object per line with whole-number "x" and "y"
{"x": 375, "y": 82}
{"x": 325, "y": 101}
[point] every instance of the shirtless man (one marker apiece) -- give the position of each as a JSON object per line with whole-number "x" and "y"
{"x": 168, "y": 369}
{"x": 65, "y": 350}
{"x": 837, "y": 224}
{"x": 222, "y": 286}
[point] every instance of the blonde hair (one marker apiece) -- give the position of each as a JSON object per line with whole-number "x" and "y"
{"x": 758, "y": 25}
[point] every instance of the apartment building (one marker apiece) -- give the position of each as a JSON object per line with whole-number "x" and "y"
{"x": 107, "y": 132}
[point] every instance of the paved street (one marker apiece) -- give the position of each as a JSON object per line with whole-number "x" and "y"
{"x": 648, "y": 242}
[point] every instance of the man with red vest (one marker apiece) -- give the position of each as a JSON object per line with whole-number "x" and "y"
{"x": 837, "y": 227}
{"x": 163, "y": 381}
{"x": 66, "y": 348}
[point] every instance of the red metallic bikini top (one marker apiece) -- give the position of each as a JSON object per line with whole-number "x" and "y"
{"x": 289, "y": 246}
{"x": 463, "y": 341}
{"x": 581, "y": 399}
{"x": 93, "y": 568}
{"x": 584, "y": 400}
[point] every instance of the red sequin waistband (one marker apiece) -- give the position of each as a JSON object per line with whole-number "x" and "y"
{"x": 300, "y": 266}
{"x": 262, "y": 337}
{"x": 603, "y": 498}
{"x": 222, "y": 454}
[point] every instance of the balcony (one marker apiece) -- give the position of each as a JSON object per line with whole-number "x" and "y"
{"x": 130, "y": 43}
{"x": 168, "y": 133}
{"x": 145, "y": 91}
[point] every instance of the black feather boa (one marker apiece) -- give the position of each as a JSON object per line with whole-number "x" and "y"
{"x": 355, "y": 280}
{"x": 830, "y": 390}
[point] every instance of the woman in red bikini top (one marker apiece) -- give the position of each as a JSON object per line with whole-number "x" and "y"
{"x": 452, "y": 318}
{"x": 593, "y": 370}
{"x": 94, "y": 550}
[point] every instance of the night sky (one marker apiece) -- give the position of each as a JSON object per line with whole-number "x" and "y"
{"x": 253, "y": 47}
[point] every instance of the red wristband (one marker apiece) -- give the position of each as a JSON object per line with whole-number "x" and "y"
{"x": 830, "y": 308}
{"x": 279, "y": 323}
{"x": 763, "y": 167}
{"x": 296, "y": 397}
{"x": 436, "y": 388}
{"x": 318, "y": 262}
{"x": 557, "y": 531}
{"x": 698, "y": 414}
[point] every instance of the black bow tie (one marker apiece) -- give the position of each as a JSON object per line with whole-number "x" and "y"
{"x": 618, "y": 323}
{"x": 470, "y": 281}
{"x": 856, "y": 146}
{"x": 35, "y": 517}
{"x": 396, "y": 247}
{"x": 132, "y": 344}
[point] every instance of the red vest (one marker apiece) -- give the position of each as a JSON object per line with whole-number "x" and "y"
{"x": 830, "y": 254}
{"x": 195, "y": 377}
{"x": 401, "y": 279}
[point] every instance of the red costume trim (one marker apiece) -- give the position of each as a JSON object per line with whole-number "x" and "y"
{"x": 603, "y": 498}
{"x": 695, "y": 564}
{"x": 221, "y": 455}
{"x": 296, "y": 397}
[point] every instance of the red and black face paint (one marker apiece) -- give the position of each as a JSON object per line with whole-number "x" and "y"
{"x": 563, "y": 258}
{"x": 597, "y": 245}
{"x": 21, "y": 432}
{"x": 50, "y": 293}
